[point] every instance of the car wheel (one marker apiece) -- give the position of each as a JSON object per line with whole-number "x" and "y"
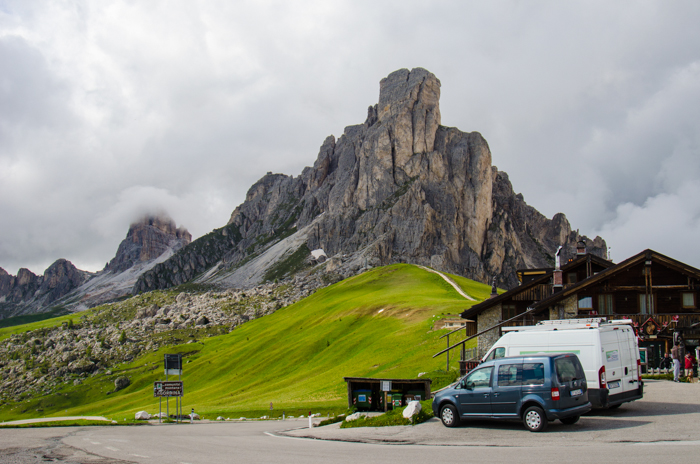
{"x": 570, "y": 420}
{"x": 449, "y": 416}
{"x": 534, "y": 419}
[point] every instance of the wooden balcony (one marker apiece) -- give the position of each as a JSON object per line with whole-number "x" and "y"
{"x": 682, "y": 320}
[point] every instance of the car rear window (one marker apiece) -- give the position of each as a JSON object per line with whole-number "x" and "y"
{"x": 533, "y": 374}
{"x": 568, "y": 368}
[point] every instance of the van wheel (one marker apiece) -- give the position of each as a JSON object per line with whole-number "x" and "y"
{"x": 534, "y": 419}
{"x": 570, "y": 420}
{"x": 449, "y": 416}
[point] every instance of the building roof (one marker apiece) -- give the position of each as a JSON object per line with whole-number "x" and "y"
{"x": 645, "y": 255}
{"x": 484, "y": 305}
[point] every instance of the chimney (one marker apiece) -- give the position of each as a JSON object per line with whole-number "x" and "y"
{"x": 557, "y": 275}
{"x": 581, "y": 248}
{"x": 494, "y": 292}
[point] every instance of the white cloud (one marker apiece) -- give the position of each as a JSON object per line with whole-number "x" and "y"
{"x": 109, "y": 108}
{"x": 668, "y": 223}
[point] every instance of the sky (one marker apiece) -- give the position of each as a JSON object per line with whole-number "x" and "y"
{"x": 112, "y": 109}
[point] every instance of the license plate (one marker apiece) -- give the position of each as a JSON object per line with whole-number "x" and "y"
{"x": 577, "y": 392}
{"x": 615, "y": 384}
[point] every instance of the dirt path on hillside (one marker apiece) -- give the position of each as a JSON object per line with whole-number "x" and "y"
{"x": 449, "y": 281}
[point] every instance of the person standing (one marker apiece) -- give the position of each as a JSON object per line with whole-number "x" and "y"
{"x": 689, "y": 361}
{"x": 666, "y": 362}
{"x": 675, "y": 355}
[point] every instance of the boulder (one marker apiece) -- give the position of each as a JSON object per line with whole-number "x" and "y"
{"x": 121, "y": 383}
{"x": 412, "y": 409}
{"x": 193, "y": 416}
{"x": 355, "y": 416}
{"x": 142, "y": 415}
{"x": 81, "y": 366}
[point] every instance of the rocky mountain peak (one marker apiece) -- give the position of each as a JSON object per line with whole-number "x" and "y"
{"x": 409, "y": 104}
{"x": 147, "y": 239}
{"x": 398, "y": 188}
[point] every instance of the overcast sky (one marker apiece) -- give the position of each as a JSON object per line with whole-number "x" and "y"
{"x": 109, "y": 109}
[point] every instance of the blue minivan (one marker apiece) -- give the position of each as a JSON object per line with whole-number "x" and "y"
{"x": 535, "y": 389}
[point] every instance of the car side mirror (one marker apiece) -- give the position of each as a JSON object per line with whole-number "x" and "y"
{"x": 470, "y": 385}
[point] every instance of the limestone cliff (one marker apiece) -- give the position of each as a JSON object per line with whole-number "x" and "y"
{"x": 147, "y": 239}
{"x": 399, "y": 187}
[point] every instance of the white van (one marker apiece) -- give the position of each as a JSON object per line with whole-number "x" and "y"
{"x": 608, "y": 351}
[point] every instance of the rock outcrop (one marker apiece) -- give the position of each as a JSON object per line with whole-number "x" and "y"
{"x": 398, "y": 188}
{"x": 28, "y": 292}
{"x": 147, "y": 239}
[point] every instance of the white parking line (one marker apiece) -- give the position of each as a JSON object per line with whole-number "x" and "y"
{"x": 282, "y": 436}
{"x": 679, "y": 442}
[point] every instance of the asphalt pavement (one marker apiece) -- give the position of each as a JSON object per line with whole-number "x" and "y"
{"x": 669, "y": 412}
{"x": 663, "y": 425}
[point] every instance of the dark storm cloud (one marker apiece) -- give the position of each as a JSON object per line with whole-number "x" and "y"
{"x": 111, "y": 109}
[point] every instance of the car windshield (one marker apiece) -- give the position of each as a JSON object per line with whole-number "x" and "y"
{"x": 568, "y": 369}
{"x": 496, "y": 354}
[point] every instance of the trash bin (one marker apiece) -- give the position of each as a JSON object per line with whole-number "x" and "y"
{"x": 362, "y": 399}
{"x": 415, "y": 395}
{"x": 397, "y": 398}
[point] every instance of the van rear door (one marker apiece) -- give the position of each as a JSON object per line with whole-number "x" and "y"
{"x": 628, "y": 356}
{"x": 569, "y": 382}
{"x": 612, "y": 359}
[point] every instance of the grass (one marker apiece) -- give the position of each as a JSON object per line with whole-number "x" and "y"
{"x": 68, "y": 423}
{"x": 393, "y": 417}
{"x": 19, "y": 320}
{"x": 378, "y": 324}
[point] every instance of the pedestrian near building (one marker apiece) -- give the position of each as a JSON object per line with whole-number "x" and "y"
{"x": 689, "y": 362}
{"x": 675, "y": 355}
{"x": 666, "y": 362}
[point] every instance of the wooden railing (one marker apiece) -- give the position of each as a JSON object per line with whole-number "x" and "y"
{"x": 672, "y": 320}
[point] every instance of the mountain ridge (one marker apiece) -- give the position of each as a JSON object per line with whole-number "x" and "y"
{"x": 151, "y": 239}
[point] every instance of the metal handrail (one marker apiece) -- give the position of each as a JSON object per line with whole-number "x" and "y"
{"x": 484, "y": 331}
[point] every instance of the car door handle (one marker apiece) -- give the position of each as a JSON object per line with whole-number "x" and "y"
{"x": 495, "y": 394}
{"x": 486, "y": 395}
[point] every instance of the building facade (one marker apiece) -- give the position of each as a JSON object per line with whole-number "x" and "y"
{"x": 659, "y": 294}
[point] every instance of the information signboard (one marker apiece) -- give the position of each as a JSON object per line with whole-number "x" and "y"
{"x": 168, "y": 388}
{"x": 173, "y": 364}
{"x": 386, "y": 385}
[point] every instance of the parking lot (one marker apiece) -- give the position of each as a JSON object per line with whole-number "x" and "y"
{"x": 669, "y": 412}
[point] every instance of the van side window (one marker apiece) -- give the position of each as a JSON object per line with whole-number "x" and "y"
{"x": 495, "y": 354}
{"x": 479, "y": 378}
{"x": 533, "y": 374}
{"x": 510, "y": 375}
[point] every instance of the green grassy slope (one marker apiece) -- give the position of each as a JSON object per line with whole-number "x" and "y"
{"x": 378, "y": 324}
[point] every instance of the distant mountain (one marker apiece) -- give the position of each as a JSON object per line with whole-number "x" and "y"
{"x": 400, "y": 187}
{"x": 149, "y": 241}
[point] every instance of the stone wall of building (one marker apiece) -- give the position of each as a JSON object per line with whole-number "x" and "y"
{"x": 485, "y": 320}
{"x": 565, "y": 309}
